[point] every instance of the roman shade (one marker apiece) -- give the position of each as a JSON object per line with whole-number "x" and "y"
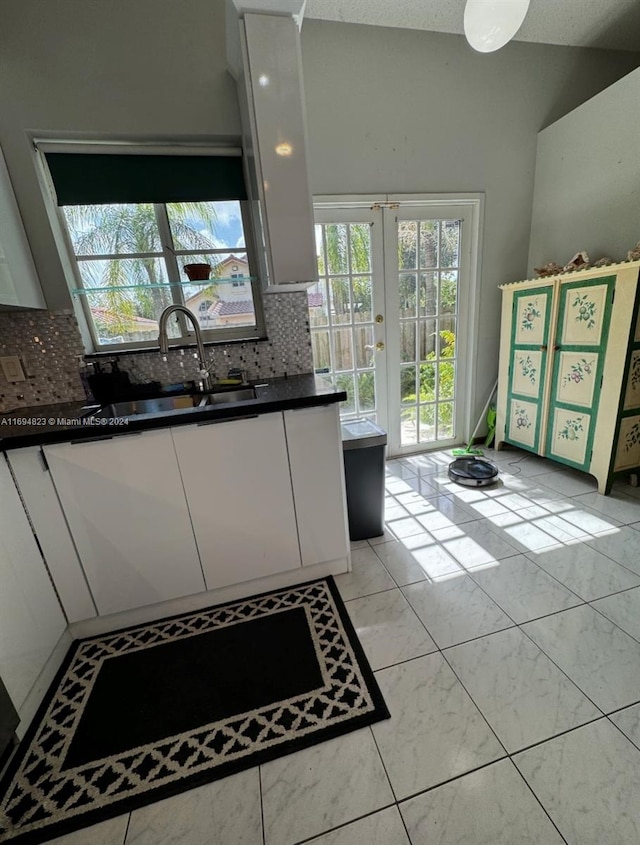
{"x": 100, "y": 179}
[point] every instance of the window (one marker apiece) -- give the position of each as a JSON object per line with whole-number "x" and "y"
{"x": 129, "y": 256}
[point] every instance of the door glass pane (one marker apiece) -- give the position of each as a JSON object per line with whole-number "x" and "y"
{"x": 343, "y": 349}
{"x": 446, "y": 380}
{"x": 366, "y": 392}
{"x": 427, "y": 339}
{"x": 321, "y": 351}
{"x": 345, "y": 382}
{"x": 448, "y": 292}
{"x": 408, "y": 294}
{"x": 427, "y": 423}
{"x": 340, "y": 300}
{"x": 360, "y": 247}
{"x": 337, "y": 248}
{"x": 428, "y": 294}
{"x": 429, "y": 243}
{"x": 409, "y": 426}
{"x": 450, "y": 243}
{"x": 445, "y": 420}
{"x": 427, "y": 382}
{"x": 362, "y": 299}
{"x": 318, "y": 305}
{"x": 408, "y": 341}
{"x": 408, "y": 385}
{"x": 447, "y": 337}
{"x": 364, "y": 346}
{"x": 407, "y": 244}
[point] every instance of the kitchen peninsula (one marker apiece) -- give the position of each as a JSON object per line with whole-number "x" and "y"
{"x": 232, "y": 498}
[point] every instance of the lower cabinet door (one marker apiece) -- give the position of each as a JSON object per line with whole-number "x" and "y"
{"x": 317, "y": 473}
{"x": 49, "y": 523}
{"x": 124, "y": 502}
{"x": 238, "y": 486}
{"x": 31, "y": 619}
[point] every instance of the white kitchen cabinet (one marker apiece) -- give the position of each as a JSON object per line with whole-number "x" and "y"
{"x": 19, "y": 283}
{"x": 317, "y": 475}
{"x": 570, "y": 369}
{"x": 238, "y": 487}
{"x": 124, "y": 503}
{"x": 31, "y": 619}
{"x": 47, "y": 518}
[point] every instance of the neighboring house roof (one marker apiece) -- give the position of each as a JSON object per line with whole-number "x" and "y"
{"x": 140, "y": 323}
{"x": 233, "y": 259}
{"x": 232, "y": 307}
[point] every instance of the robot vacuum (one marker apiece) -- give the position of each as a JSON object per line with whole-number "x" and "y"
{"x": 473, "y": 472}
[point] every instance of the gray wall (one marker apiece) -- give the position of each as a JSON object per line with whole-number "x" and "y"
{"x": 394, "y": 111}
{"x": 148, "y": 69}
{"x": 587, "y": 182}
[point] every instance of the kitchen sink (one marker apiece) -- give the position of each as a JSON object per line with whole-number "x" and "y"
{"x": 147, "y": 406}
{"x": 172, "y": 403}
{"x": 229, "y": 396}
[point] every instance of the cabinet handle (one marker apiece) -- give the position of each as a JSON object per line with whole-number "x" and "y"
{"x": 228, "y": 420}
{"x": 555, "y": 348}
{"x": 104, "y": 437}
{"x": 543, "y": 348}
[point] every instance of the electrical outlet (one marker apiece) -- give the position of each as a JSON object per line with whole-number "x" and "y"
{"x": 12, "y": 368}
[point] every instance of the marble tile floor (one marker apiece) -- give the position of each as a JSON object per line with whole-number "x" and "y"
{"x": 503, "y": 627}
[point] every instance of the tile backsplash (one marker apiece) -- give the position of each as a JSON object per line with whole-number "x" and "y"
{"x": 50, "y": 348}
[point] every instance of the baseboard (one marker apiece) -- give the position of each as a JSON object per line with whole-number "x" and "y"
{"x": 140, "y": 615}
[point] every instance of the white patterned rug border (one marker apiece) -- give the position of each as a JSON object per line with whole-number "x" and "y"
{"x": 45, "y": 794}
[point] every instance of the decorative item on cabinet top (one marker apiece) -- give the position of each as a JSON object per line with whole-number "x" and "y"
{"x": 570, "y": 369}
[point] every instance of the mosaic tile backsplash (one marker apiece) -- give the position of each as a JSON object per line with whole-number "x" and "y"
{"x": 50, "y": 348}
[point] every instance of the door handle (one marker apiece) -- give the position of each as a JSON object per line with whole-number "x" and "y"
{"x": 379, "y": 318}
{"x": 379, "y": 346}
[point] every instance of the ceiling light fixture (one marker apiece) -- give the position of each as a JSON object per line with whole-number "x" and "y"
{"x": 490, "y": 24}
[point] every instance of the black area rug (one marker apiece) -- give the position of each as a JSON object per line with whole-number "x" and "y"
{"x": 153, "y": 710}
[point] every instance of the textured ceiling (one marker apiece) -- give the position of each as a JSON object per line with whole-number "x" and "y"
{"x": 607, "y": 24}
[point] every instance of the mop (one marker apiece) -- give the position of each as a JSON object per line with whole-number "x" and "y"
{"x": 469, "y": 450}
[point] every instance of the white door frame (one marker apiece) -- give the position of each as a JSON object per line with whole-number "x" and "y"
{"x": 473, "y": 203}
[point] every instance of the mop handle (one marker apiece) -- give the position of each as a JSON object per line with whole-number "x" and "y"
{"x": 484, "y": 411}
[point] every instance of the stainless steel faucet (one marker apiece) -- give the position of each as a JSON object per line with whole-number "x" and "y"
{"x": 163, "y": 340}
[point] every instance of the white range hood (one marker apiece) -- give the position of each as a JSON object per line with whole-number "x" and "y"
{"x": 263, "y": 51}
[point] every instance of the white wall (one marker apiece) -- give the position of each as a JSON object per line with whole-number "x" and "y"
{"x": 587, "y": 181}
{"x": 396, "y": 111}
{"x": 148, "y": 69}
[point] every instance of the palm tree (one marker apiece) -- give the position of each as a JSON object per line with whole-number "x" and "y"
{"x": 122, "y": 230}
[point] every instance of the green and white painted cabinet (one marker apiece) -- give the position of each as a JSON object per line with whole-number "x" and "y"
{"x": 569, "y": 380}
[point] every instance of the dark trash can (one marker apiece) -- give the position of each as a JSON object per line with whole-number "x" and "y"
{"x": 363, "y": 445}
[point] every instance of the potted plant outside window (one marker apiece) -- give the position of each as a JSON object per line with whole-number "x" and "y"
{"x": 197, "y": 272}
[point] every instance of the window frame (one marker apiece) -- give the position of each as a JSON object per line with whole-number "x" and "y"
{"x": 70, "y": 262}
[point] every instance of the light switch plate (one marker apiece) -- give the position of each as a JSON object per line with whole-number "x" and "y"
{"x": 12, "y": 368}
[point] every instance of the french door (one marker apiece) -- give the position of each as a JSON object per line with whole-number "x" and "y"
{"x": 390, "y": 315}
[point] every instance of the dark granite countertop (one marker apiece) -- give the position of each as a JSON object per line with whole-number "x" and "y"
{"x": 67, "y": 421}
